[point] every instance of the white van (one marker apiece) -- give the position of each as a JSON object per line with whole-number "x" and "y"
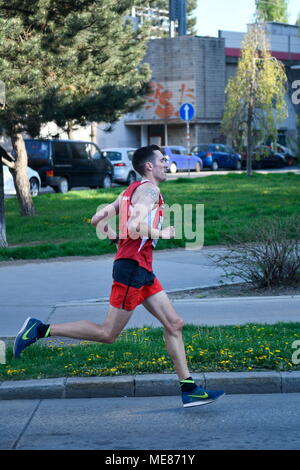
{"x": 121, "y": 159}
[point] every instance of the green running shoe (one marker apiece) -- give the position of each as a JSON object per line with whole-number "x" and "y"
{"x": 199, "y": 396}
{"x": 27, "y": 335}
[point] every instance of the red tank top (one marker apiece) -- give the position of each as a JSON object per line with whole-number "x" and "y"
{"x": 140, "y": 249}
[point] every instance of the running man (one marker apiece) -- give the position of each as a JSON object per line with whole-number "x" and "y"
{"x": 140, "y": 209}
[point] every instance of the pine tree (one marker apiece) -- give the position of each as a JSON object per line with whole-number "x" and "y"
{"x": 255, "y": 102}
{"x": 272, "y": 10}
{"x": 63, "y": 61}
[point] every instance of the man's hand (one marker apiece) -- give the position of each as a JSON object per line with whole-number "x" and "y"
{"x": 167, "y": 233}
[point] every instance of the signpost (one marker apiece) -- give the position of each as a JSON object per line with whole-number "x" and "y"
{"x": 187, "y": 112}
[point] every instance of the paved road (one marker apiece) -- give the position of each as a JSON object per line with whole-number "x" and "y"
{"x": 235, "y": 422}
{"x": 193, "y": 174}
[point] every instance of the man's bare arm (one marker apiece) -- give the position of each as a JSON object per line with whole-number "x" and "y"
{"x": 101, "y": 217}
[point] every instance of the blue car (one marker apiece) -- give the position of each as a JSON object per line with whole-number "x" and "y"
{"x": 179, "y": 160}
{"x": 215, "y": 156}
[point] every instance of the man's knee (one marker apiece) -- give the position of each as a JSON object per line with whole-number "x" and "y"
{"x": 176, "y": 326}
{"x": 108, "y": 338}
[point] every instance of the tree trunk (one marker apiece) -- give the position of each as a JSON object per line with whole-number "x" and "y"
{"x": 93, "y": 132}
{"x": 249, "y": 142}
{"x": 20, "y": 175}
{"x": 3, "y": 242}
{"x": 70, "y": 130}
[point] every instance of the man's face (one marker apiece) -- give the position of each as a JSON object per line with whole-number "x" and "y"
{"x": 160, "y": 166}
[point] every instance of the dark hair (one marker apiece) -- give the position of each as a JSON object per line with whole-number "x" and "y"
{"x": 142, "y": 156}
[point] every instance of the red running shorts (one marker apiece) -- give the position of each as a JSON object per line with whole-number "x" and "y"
{"x": 132, "y": 284}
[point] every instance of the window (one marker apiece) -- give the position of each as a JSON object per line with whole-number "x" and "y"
{"x": 94, "y": 151}
{"x": 175, "y": 151}
{"x": 282, "y": 137}
{"x": 112, "y": 156}
{"x": 61, "y": 152}
{"x": 37, "y": 149}
{"x": 201, "y": 148}
{"x": 80, "y": 150}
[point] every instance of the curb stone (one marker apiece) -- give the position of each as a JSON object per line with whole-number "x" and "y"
{"x": 99, "y": 387}
{"x": 244, "y": 382}
{"x": 290, "y": 382}
{"x": 149, "y": 385}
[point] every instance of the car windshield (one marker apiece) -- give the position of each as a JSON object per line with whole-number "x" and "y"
{"x": 37, "y": 149}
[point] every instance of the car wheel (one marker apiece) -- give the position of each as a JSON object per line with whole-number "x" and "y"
{"x": 198, "y": 167}
{"x": 63, "y": 186}
{"x": 131, "y": 178}
{"x": 173, "y": 168}
{"x": 34, "y": 187}
{"x": 290, "y": 161}
{"x": 106, "y": 182}
{"x": 215, "y": 165}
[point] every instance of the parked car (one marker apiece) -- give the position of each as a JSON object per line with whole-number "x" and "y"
{"x": 290, "y": 158}
{"x": 215, "y": 156}
{"x": 178, "y": 159}
{"x": 121, "y": 159}
{"x": 33, "y": 177}
{"x": 264, "y": 157}
{"x": 64, "y": 164}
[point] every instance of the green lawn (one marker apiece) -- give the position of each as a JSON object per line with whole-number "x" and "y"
{"x": 62, "y": 228}
{"x": 250, "y": 347}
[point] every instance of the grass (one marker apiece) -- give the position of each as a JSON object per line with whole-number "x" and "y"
{"x": 249, "y": 347}
{"x": 62, "y": 224}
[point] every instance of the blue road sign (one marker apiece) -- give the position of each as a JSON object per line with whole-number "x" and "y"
{"x": 186, "y": 112}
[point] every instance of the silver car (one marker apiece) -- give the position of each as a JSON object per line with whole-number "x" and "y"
{"x": 33, "y": 177}
{"x": 121, "y": 158}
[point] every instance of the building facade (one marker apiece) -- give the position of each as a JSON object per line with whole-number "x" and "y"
{"x": 196, "y": 70}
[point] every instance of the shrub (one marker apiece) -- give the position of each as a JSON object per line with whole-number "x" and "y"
{"x": 272, "y": 260}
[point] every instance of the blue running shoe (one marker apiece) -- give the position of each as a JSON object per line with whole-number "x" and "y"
{"x": 199, "y": 396}
{"x": 27, "y": 335}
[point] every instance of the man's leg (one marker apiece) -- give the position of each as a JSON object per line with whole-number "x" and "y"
{"x": 107, "y": 332}
{"x": 192, "y": 395}
{"x": 160, "y": 306}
